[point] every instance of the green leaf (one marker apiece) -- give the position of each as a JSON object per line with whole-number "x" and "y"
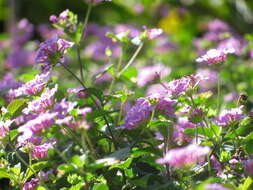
{"x": 100, "y": 187}
{"x": 142, "y": 182}
{"x": 15, "y": 105}
{"x": 36, "y": 168}
{"x": 248, "y": 147}
{"x": 157, "y": 123}
{"x": 246, "y": 184}
{"x": 130, "y": 73}
{"x": 13, "y": 133}
{"x": 122, "y": 165}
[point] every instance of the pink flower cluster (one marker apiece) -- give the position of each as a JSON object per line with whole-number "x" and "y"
{"x": 41, "y": 151}
{"x": 45, "y": 101}
{"x": 228, "y": 116}
{"x": 4, "y": 128}
{"x": 52, "y": 50}
{"x": 215, "y": 56}
{"x": 184, "y": 157}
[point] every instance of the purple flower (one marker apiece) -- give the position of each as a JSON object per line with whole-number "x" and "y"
{"x": 31, "y": 185}
{"x": 150, "y": 73}
{"x": 33, "y": 86}
{"x": 78, "y": 92}
{"x": 138, "y": 114}
{"x": 228, "y": 116}
{"x": 8, "y": 82}
{"x": 20, "y": 57}
{"x": 43, "y": 103}
{"x": 48, "y": 32}
{"x": 44, "y": 175}
{"x": 231, "y": 97}
{"x": 184, "y": 157}
{"x": 153, "y": 33}
{"x": 248, "y": 166}
{"x": 212, "y": 77}
{"x": 157, "y": 89}
{"x": 64, "y": 107}
{"x": 52, "y": 50}
{"x": 23, "y": 32}
{"x": 182, "y": 124}
{"x": 167, "y": 106}
{"x": 179, "y": 86}
{"x": 216, "y": 165}
{"x": 215, "y": 186}
{"x": 41, "y": 151}
{"x": 215, "y": 56}
{"x": 218, "y": 25}
{"x": 34, "y": 126}
{"x": 4, "y": 127}
{"x": 236, "y": 42}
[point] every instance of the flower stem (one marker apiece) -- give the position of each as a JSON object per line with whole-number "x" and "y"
{"x": 218, "y": 94}
{"x": 130, "y": 62}
{"x": 78, "y": 48}
{"x": 96, "y": 104}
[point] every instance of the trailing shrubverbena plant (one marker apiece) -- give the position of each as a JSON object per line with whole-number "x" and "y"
{"x": 64, "y": 127}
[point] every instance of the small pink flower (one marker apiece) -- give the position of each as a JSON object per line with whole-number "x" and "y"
{"x": 184, "y": 157}
{"x": 4, "y": 127}
{"x": 31, "y": 185}
{"x": 41, "y": 151}
{"x": 230, "y": 115}
{"x": 215, "y": 56}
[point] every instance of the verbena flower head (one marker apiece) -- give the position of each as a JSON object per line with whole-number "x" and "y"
{"x": 184, "y": 157}
{"x": 41, "y": 151}
{"x": 167, "y": 106}
{"x": 150, "y": 73}
{"x": 64, "y": 107}
{"x": 34, "y": 86}
{"x": 215, "y": 56}
{"x": 138, "y": 114}
{"x": 180, "y": 86}
{"x": 34, "y": 126}
{"x": 52, "y": 50}
{"x": 31, "y": 185}
{"x": 43, "y": 103}
{"x": 4, "y": 128}
{"x": 229, "y": 116}
{"x": 215, "y": 186}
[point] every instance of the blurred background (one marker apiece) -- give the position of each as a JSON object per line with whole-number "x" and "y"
{"x": 191, "y": 27}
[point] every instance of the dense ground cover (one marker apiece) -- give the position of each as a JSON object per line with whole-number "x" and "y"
{"x": 161, "y": 104}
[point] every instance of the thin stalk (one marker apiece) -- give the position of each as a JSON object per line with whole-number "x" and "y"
{"x": 78, "y": 48}
{"x": 130, "y": 62}
{"x": 78, "y": 51}
{"x": 218, "y": 94}
{"x": 86, "y": 21}
{"x": 117, "y": 70}
{"x": 94, "y": 101}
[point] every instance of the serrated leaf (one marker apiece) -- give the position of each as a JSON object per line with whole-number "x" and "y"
{"x": 246, "y": 185}
{"x": 15, "y": 105}
{"x": 100, "y": 187}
